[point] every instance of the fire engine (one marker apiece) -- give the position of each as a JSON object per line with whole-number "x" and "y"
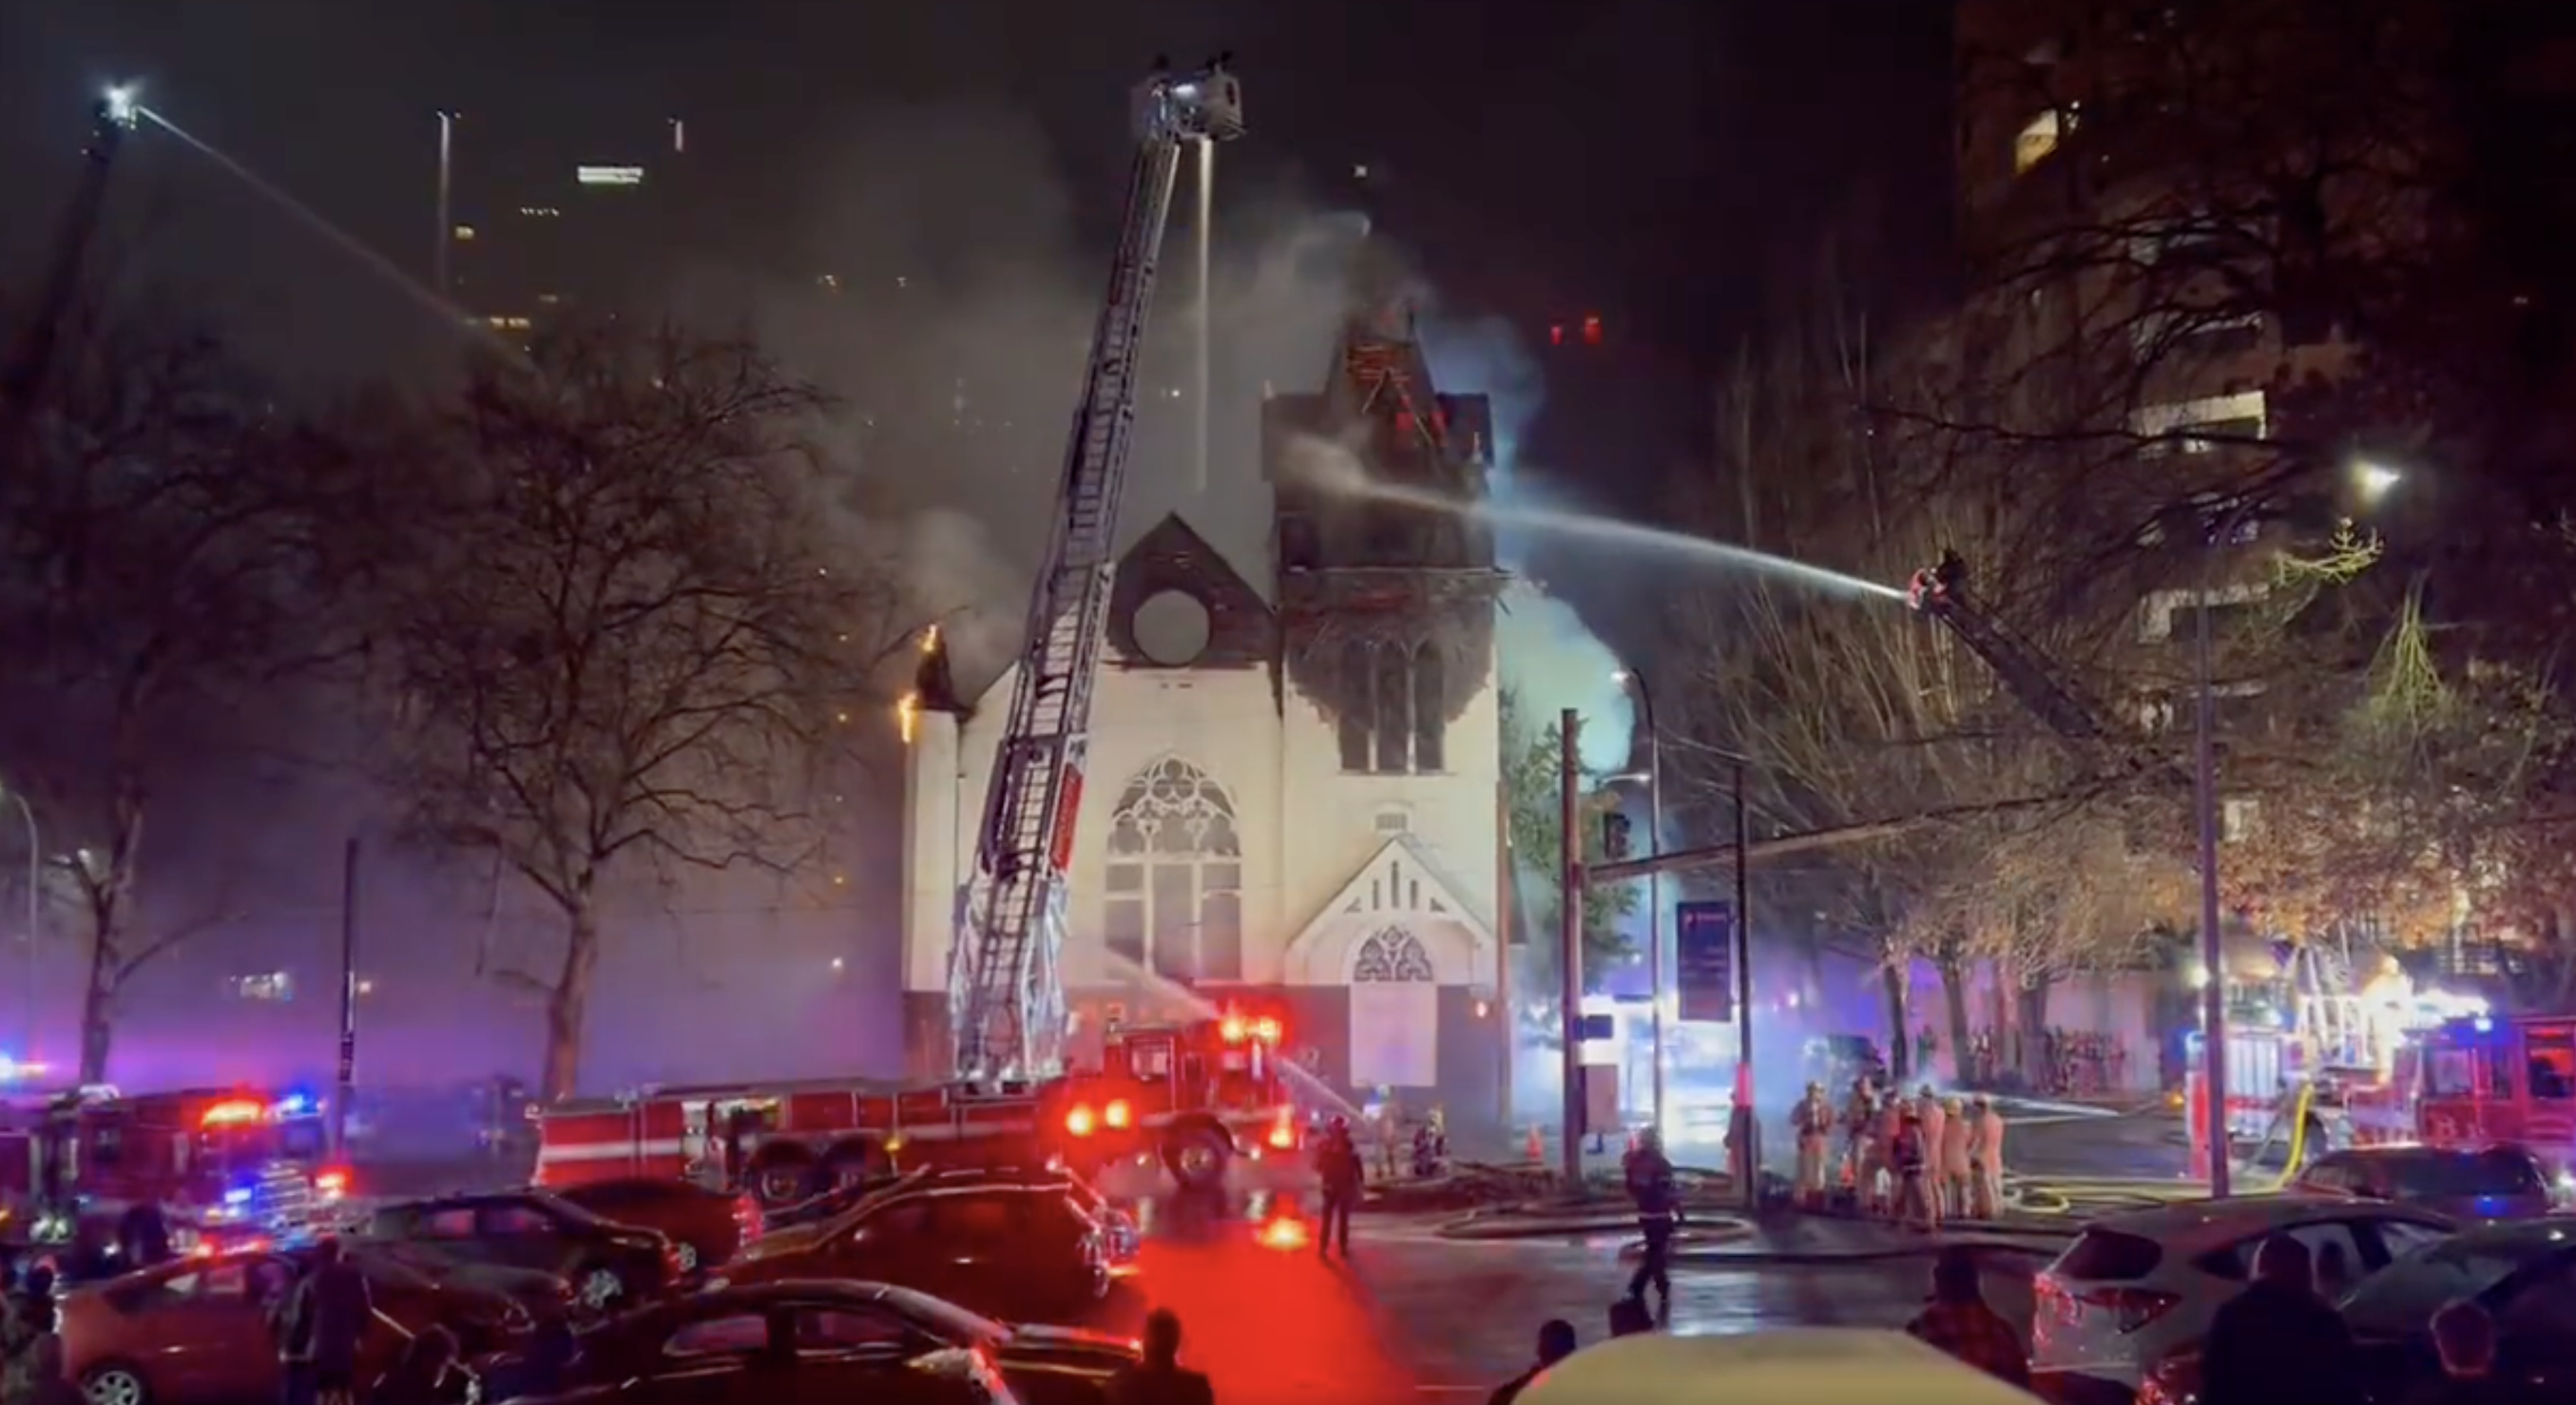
{"x": 210, "y": 1156}
{"x": 1188, "y": 1093}
{"x": 1182, "y": 1089}
{"x": 2487, "y": 1079}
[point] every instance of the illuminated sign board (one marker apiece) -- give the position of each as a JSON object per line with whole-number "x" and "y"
{"x": 609, "y": 175}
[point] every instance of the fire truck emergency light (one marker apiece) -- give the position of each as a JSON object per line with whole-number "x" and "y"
{"x": 1119, "y": 1114}
{"x": 1080, "y": 1121}
{"x": 233, "y": 1113}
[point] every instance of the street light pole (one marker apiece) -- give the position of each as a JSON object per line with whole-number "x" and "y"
{"x": 1748, "y": 1127}
{"x": 35, "y": 921}
{"x": 1656, "y": 967}
{"x": 1570, "y": 936}
{"x": 2213, "y": 1041}
{"x": 446, "y": 221}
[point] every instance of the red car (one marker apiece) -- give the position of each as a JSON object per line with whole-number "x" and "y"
{"x": 198, "y": 1329}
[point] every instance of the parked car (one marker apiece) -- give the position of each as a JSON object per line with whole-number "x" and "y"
{"x": 1020, "y": 1252}
{"x": 705, "y": 1226}
{"x": 2523, "y": 1273}
{"x": 198, "y": 1329}
{"x": 2135, "y": 1288}
{"x": 2493, "y": 1183}
{"x": 609, "y": 1265}
{"x": 797, "y": 1341}
{"x": 837, "y": 1201}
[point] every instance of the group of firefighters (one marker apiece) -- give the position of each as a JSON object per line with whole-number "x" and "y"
{"x": 1916, "y": 1158}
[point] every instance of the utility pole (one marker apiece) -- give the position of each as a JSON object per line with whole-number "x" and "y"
{"x": 1748, "y": 1125}
{"x": 2213, "y": 956}
{"x": 345, "y": 1086}
{"x": 1570, "y": 934}
{"x": 1505, "y": 914}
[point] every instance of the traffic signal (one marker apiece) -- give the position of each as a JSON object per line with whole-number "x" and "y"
{"x": 1614, "y": 836}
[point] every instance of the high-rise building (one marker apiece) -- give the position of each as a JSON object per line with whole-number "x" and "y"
{"x": 542, "y": 230}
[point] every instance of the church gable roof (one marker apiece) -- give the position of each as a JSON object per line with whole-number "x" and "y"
{"x": 1172, "y": 558}
{"x": 1399, "y": 879}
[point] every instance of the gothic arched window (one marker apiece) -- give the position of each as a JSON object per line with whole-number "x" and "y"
{"x": 1430, "y": 711}
{"x": 1175, "y": 876}
{"x": 1355, "y": 706}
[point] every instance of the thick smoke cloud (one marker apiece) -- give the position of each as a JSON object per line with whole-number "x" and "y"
{"x": 1550, "y": 659}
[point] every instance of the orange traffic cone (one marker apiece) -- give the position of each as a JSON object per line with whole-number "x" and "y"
{"x": 1532, "y": 1148}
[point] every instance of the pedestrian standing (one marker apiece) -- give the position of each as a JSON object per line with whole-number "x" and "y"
{"x": 1959, "y": 1322}
{"x": 1338, "y": 1165}
{"x": 1857, "y": 1110}
{"x": 2278, "y": 1343}
{"x": 1160, "y": 1379}
{"x": 1650, "y": 1185}
{"x": 2465, "y": 1336}
{"x": 1891, "y": 1115}
{"x": 1555, "y": 1343}
{"x": 343, "y": 1311}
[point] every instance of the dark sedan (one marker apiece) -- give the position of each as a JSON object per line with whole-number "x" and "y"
{"x": 2523, "y": 1273}
{"x": 797, "y": 1341}
{"x": 608, "y": 1265}
{"x": 705, "y": 1226}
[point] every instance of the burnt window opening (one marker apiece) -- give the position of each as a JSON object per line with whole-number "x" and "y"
{"x": 1391, "y": 698}
{"x": 1430, "y": 714}
{"x": 1354, "y": 706}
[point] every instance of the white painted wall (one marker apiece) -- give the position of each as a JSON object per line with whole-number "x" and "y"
{"x": 1306, "y": 827}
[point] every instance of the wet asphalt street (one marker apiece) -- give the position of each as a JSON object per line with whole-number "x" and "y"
{"x": 1412, "y": 1316}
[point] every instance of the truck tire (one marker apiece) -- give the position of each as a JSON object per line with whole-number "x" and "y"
{"x": 783, "y": 1181}
{"x": 850, "y": 1163}
{"x": 1197, "y": 1157}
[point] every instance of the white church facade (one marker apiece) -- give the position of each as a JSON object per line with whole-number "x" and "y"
{"x": 1292, "y": 799}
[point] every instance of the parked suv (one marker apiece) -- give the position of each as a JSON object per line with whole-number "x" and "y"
{"x": 608, "y": 1265}
{"x": 2492, "y": 1183}
{"x": 1019, "y": 1252}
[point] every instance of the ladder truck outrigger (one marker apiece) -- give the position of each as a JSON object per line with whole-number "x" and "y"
{"x": 1194, "y": 1092}
{"x": 2324, "y": 1070}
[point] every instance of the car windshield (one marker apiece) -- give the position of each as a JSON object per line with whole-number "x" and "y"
{"x": 2401, "y": 1299}
{"x": 947, "y": 1320}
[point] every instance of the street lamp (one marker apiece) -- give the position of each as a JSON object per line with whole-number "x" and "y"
{"x": 2374, "y": 480}
{"x": 35, "y": 915}
{"x": 1635, "y": 682}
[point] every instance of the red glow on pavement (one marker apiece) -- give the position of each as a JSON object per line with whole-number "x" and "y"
{"x": 1268, "y": 1326}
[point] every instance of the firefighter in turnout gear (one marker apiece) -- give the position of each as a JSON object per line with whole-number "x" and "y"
{"x": 1813, "y": 1122}
{"x": 1650, "y": 1185}
{"x": 1338, "y": 1165}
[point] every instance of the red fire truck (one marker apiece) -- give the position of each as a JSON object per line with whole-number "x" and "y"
{"x": 205, "y": 1153}
{"x": 2502, "y": 1079}
{"x": 1196, "y": 1094}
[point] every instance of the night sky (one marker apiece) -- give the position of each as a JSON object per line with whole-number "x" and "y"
{"x": 1657, "y": 161}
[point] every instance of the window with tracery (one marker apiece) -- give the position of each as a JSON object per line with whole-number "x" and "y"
{"x": 1394, "y": 719}
{"x": 1175, "y": 876}
{"x": 1392, "y": 956}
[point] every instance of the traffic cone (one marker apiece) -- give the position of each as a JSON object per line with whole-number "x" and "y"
{"x": 1532, "y": 1148}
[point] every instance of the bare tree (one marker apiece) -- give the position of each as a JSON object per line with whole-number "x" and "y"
{"x": 162, "y": 570}
{"x": 628, "y": 636}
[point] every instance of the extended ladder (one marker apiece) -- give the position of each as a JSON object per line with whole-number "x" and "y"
{"x": 1385, "y": 368}
{"x": 1005, "y": 991}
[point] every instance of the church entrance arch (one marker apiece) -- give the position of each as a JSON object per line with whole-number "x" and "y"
{"x": 1395, "y": 1011}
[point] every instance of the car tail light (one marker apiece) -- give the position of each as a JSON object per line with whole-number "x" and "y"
{"x": 1118, "y": 1114}
{"x": 1080, "y": 1122}
{"x": 331, "y": 1184}
{"x": 2130, "y": 1308}
{"x": 747, "y": 1217}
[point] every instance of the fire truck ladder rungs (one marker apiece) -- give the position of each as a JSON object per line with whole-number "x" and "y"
{"x": 1006, "y": 997}
{"x": 1382, "y": 368}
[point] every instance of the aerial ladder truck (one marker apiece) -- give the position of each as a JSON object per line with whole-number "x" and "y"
{"x": 1006, "y": 1000}
{"x": 33, "y": 354}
